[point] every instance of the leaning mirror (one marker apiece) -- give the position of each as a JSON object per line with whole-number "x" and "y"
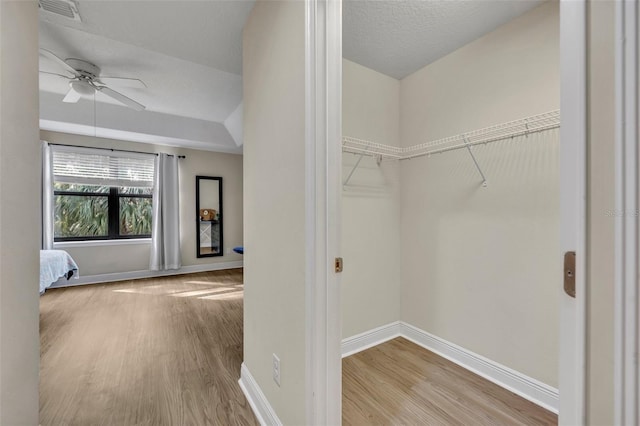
{"x": 209, "y": 216}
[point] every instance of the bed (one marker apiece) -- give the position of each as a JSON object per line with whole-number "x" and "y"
{"x": 55, "y": 264}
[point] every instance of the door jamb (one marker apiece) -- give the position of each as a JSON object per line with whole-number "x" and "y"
{"x": 627, "y": 234}
{"x": 323, "y": 90}
{"x": 573, "y": 178}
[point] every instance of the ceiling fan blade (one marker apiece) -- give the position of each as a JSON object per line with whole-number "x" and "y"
{"x": 72, "y": 97}
{"x": 121, "y": 98}
{"x": 56, "y": 74}
{"x": 68, "y": 68}
{"x": 134, "y": 83}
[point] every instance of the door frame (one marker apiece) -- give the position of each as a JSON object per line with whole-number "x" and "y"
{"x": 573, "y": 208}
{"x": 323, "y": 42}
{"x": 323, "y": 147}
{"x": 627, "y": 223}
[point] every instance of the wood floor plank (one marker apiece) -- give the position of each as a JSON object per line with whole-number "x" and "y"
{"x": 162, "y": 351}
{"x": 167, "y": 351}
{"x": 400, "y": 383}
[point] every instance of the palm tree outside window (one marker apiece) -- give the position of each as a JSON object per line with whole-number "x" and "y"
{"x": 92, "y": 212}
{"x": 98, "y": 194}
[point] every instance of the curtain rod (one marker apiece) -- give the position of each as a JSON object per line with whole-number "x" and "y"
{"x": 114, "y": 149}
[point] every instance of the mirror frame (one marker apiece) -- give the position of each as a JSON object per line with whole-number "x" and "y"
{"x": 220, "y": 216}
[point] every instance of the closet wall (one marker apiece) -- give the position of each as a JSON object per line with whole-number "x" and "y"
{"x": 480, "y": 266}
{"x": 370, "y": 203}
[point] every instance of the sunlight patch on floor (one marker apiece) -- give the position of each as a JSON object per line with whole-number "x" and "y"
{"x": 201, "y": 292}
{"x": 224, "y": 296}
{"x": 149, "y": 290}
{"x": 216, "y": 290}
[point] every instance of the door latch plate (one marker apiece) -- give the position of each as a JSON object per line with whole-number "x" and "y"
{"x": 570, "y": 273}
{"x": 338, "y": 264}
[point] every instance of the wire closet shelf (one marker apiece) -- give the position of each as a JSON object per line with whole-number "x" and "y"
{"x": 372, "y": 149}
{"x": 509, "y": 130}
{"x": 505, "y": 131}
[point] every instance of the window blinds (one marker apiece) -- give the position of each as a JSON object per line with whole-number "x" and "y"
{"x": 88, "y": 166}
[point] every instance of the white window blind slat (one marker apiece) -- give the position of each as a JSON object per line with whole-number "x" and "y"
{"x": 97, "y": 167}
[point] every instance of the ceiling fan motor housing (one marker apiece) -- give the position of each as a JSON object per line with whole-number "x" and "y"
{"x": 84, "y": 68}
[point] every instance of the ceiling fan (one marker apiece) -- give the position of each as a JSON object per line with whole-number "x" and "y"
{"x": 84, "y": 79}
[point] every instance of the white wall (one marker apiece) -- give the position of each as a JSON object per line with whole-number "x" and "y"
{"x": 19, "y": 213}
{"x": 274, "y": 190}
{"x": 96, "y": 260}
{"x": 370, "y": 203}
{"x": 480, "y": 265}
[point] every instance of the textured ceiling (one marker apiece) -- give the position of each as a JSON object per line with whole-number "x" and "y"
{"x": 399, "y": 37}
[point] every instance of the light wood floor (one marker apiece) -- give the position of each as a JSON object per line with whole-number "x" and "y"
{"x": 400, "y": 383}
{"x": 167, "y": 351}
{"x": 163, "y": 351}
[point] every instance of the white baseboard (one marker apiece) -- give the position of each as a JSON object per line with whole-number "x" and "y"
{"x": 261, "y": 408}
{"x": 514, "y": 381}
{"x": 368, "y": 339}
{"x": 132, "y": 275}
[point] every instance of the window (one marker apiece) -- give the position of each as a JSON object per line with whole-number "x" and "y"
{"x": 99, "y": 196}
{"x": 86, "y": 212}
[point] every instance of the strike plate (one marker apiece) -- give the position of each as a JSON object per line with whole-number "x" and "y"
{"x": 570, "y": 273}
{"x": 338, "y": 264}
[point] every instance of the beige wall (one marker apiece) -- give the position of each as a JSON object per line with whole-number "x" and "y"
{"x": 96, "y": 260}
{"x": 370, "y": 203}
{"x": 480, "y": 265}
{"x": 601, "y": 180}
{"x": 19, "y": 213}
{"x": 274, "y": 190}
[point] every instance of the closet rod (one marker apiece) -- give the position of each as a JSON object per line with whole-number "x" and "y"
{"x": 113, "y": 149}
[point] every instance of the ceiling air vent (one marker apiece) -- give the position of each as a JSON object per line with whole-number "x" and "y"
{"x": 66, "y": 8}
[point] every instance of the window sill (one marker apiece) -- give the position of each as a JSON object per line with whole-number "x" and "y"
{"x": 94, "y": 243}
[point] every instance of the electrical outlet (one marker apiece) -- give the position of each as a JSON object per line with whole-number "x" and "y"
{"x": 276, "y": 369}
{"x": 228, "y": 250}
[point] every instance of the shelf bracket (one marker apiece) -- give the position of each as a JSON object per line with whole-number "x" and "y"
{"x": 355, "y": 166}
{"x": 475, "y": 161}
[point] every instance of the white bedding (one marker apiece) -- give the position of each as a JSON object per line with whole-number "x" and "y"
{"x": 55, "y": 264}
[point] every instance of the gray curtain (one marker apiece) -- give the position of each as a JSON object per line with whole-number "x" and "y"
{"x": 165, "y": 234}
{"x": 47, "y": 197}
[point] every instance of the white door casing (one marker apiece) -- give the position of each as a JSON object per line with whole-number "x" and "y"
{"x": 573, "y": 136}
{"x": 627, "y": 238}
{"x": 323, "y": 81}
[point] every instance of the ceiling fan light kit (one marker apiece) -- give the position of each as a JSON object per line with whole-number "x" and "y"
{"x": 84, "y": 79}
{"x": 82, "y": 87}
